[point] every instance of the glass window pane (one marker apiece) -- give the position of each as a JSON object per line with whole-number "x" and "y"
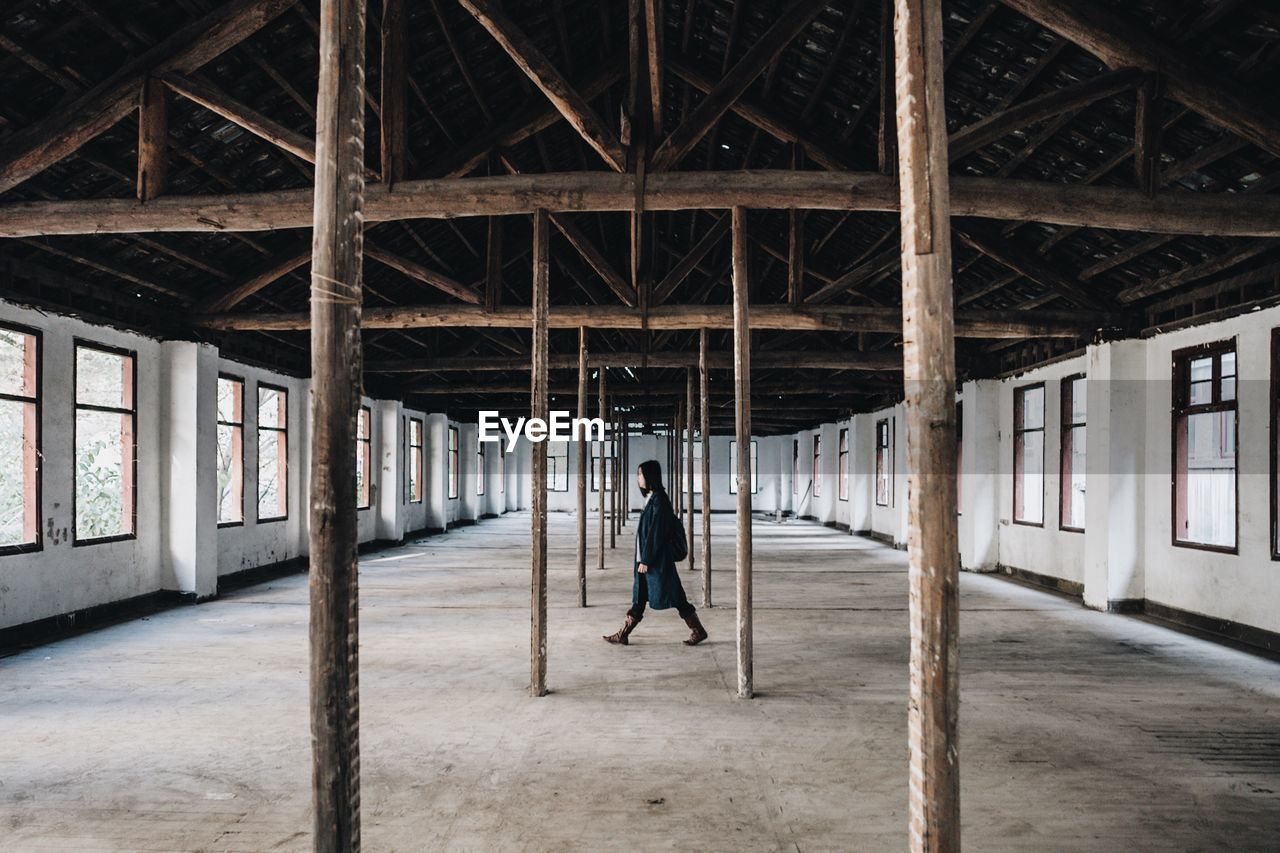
{"x": 103, "y": 378}
{"x": 1031, "y": 483}
{"x": 18, "y": 472}
{"x": 1229, "y": 363}
{"x": 1201, "y": 392}
{"x": 17, "y": 363}
{"x": 272, "y": 474}
{"x": 104, "y": 474}
{"x": 1228, "y": 388}
{"x": 230, "y": 473}
{"x": 1079, "y": 400}
{"x": 271, "y": 408}
{"x": 1033, "y": 407}
{"x": 230, "y": 400}
{"x": 1210, "y": 479}
{"x": 1201, "y": 369}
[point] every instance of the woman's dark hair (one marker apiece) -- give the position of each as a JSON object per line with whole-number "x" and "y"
{"x": 652, "y": 476}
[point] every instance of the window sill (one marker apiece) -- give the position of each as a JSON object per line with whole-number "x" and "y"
{"x": 27, "y": 548}
{"x": 1039, "y": 524}
{"x": 225, "y": 524}
{"x": 1215, "y": 549}
{"x": 273, "y": 519}
{"x": 102, "y": 540}
{"x": 1065, "y": 529}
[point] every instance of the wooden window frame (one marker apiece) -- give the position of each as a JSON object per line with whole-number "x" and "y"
{"x": 364, "y": 453}
{"x": 1275, "y": 442}
{"x": 553, "y": 475}
{"x": 481, "y": 459}
{"x": 452, "y": 459}
{"x": 130, "y": 468}
{"x": 502, "y": 468}
{"x": 887, "y": 448}
{"x": 284, "y": 430}
{"x": 795, "y": 466}
{"x": 415, "y": 460}
{"x": 597, "y": 451}
{"x": 1182, "y": 409}
{"x": 239, "y": 380}
{"x": 959, "y": 457}
{"x": 842, "y": 463}
{"x": 816, "y": 473}
{"x": 36, "y": 494}
{"x": 1066, "y": 443}
{"x": 1019, "y": 396}
{"x": 753, "y": 466}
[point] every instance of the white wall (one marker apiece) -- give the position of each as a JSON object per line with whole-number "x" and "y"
{"x": 178, "y": 544}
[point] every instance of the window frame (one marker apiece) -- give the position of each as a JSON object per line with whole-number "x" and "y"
{"x": 411, "y": 467}
{"x": 452, "y": 460}
{"x": 502, "y": 468}
{"x": 598, "y": 452}
{"x": 258, "y": 429}
{"x": 815, "y": 473}
{"x": 36, "y": 544}
{"x": 842, "y": 464}
{"x": 1275, "y": 441}
{"x": 364, "y": 453}
{"x": 230, "y": 377}
{"x": 481, "y": 460}
{"x": 887, "y": 447}
{"x": 795, "y": 466}
{"x": 1066, "y": 471}
{"x": 552, "y": 475}
{"x": 1019, "y": 395}
{"x": 753, "y": 466}
{"x": 132, "y": 411}
{"x": 1182, "y": 408}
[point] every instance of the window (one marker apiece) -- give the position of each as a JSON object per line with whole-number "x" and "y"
{"x": 1028, "y": 455}
{"x": 273, "y": 453}
{"x": 606, "y": 462}
{"x": 1204, "y": 447}
{"x": 1072, "y": 466}
{"x": 502, "y": 469}
{"x": 733, "y": 467}
{"x": 106, "y": 449}
{"x": 415, "y": 475}
{"x": 479, "y": 468}
{"x": 884, "y": 463}
{"x": 364, "y": 458}
{"x": 19, "y": 440}
{"x": 817, "y": 465}
{"x": 558, "y": 466}
{"x": 697, "y": 466}
{"x": 453, "y": 462}
{"x": 230, "y": 450}
{"x": 1275, "y": 444}
{"x": 795, "y": 466}
{"x": 842, "y": 474}
{"x": 959, "y": 458}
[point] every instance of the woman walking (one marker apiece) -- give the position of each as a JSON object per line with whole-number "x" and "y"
{"x": 654, "y": 578}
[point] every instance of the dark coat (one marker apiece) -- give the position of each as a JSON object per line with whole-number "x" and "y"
{"x": 653, "y": 534}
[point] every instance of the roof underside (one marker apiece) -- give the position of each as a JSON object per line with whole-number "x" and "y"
{"x": 462, "y": 84}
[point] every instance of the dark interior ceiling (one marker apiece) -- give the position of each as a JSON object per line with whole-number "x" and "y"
{"x": 826, "y": 84}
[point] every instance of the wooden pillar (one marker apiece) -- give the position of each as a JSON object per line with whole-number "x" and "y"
{"x": 613, "y": 486}
{"x": 599, "y": 475}
{"x": 795, "y": 245}
{"x": 677, "y": 462}
{"x": 153, "y": 140}
{"x": 929, "y": 380}
{"x": 688, "y": 448}
{"x": 583, "y": 458}
{"x": 626, "y": 470}
{"x": 887, "y": 148}
{"x": 742, "y": 430}
{"x": 539, "y": 405}
{"x": 704, "y": 412}
{"x": 336, "y": 256}
{"x": 1146, "y": 136}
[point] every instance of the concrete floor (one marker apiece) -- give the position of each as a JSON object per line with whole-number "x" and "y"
{"x": 1080, "y": 731}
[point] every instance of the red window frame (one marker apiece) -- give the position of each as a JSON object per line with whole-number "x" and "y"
{"x": 364, "y": 458}
{"x": 453, "y": 459}
{"x": 416, "y": 440}
{"x": 1020, "y": 432}
{"x": 1067, "y": 427}
{"x": 884, "y": 462}
{"x": 234, "y": 423}
{"x": 1183, "y": 408}
{"x": 29, "y": 398}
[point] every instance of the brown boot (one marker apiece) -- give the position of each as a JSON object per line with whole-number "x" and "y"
{"x": 699, "y": 633}
{"x": 620, "y": 638}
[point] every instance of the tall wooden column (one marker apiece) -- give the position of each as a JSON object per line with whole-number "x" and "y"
{"x": 929, "y": 378}
{"x": 704, "y": 412}
{"x": 153, "y": 140}
{"x": 539, "y": 404}
{"x": 742, "y": 430}
{"x": 336, "y": 255}
{"x": 688, "y": 489}
{"x": 613, "y": 464}
{"x": 583, "y": 456}
{"x": 600, "y": 475}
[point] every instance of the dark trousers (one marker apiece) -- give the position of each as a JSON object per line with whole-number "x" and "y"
{"x": 683, "y": 607}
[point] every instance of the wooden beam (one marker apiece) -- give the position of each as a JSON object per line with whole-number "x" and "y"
{"x": 690, "y": 261}
{"x": 653, "y": 49}
{"x": 153, "y": 140}
{"x": 717, "y": 102}
{"x": 242, "y": 115}
{"x": 704, "y": 430}
{"x": 539, "y": 407}
{"x": 1146, "y": 136}
{"x": 594, "y": 258}
{"x": 995, "y": 127}
{"x": 930, "y": 382}
{"x": 581, "y": 448}
{"x": 393, "y": 120}
{"x": 1004, "y": 252}
{"x": 1218, "y": 214}
{"x": 879, "y": 360}
{"x": 418, "y": 272}
{"x": 795, "y": 249}
{"x": 493, "y": 263}
{"x": 544, "y": 75}
{"x": 599, "y": 474}
{"x": 742, "y": 432}
{"x": 1119, "y": 43}
{"x": 825, "y": 318}
{"x": 229, "y": 296}
{"x": 62, "y": 133}
{"x": 337, "y": 237}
